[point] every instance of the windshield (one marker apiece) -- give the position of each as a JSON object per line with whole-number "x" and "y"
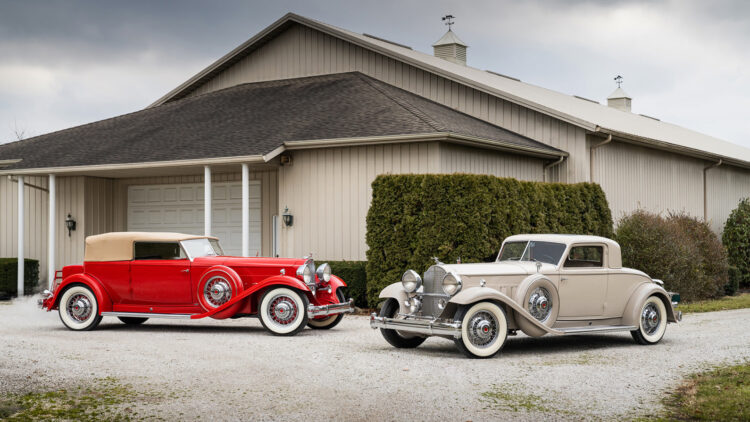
{"x": 548, "y": 252}
{"x": 202, "y": 247}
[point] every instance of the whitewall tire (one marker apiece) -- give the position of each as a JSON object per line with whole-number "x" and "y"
{"x": 484, "y": 329}
{"x": 283, "y": 311}
{"x": 79, "y": 309}
{"x": 652, "y": 322}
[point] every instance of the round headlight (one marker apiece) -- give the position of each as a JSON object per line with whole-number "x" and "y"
{"x": 451, "y": 284}
{"x": 411, "y": 281}
{"x": 324, "y": 273}
{"x": 306, "y": 273}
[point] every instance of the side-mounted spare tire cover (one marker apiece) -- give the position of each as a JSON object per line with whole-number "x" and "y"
{"x": 538, "y": 296}
{"x": 219, "y": 285}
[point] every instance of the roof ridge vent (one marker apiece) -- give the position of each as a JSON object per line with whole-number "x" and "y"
{"x": 388, "y": 41}
{"x": 503, "y": 76}
{"x": 650, "y": 117}
{"x": 586, "y": 99}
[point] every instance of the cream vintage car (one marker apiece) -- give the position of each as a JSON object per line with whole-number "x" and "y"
{"x": 539, "y": 284}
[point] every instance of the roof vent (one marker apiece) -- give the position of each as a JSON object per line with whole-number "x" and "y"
{"x": 449, "y": 46}
{"x": 619, "y": 99}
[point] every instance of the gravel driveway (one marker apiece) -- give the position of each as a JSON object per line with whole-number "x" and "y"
{"x": 233, "y": 369}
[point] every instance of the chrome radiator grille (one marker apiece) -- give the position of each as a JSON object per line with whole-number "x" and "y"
{"x": 433, "y": 283}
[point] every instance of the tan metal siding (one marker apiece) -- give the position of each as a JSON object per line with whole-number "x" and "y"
{"x": 635, "y": 177}
{"x": 726, "y": 186}
{"x": 70, "y": 200}
{"x": 461, "y": 159}
{"x": 329, "y": 190}
{"x": 302, "y": 51}
{"x": 268, "y": 189}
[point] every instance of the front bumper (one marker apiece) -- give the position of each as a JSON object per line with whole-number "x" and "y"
{"x": 332, "y": 309}
{"x": 417, "y": 325}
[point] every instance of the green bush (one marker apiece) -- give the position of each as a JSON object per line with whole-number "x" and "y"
{"x": 415, "y": 217}
{"x": 355, "y": 276}
{"x": 733, "y": 286}
{"x": 9, "y": 276}
{"x": 736, "y": 239}
{"x": 679, "y": 249}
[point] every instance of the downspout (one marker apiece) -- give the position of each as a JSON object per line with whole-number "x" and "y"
{"x": 705, "y": 187}
{"x": 550, "y": 165}
{"x": 591, "y": 156}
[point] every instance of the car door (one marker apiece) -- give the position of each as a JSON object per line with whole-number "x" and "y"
{"x": 583, "y": 282}
{"x": 160, "y": 274}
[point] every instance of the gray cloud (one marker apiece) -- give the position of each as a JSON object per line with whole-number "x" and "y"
{"x": 69, "y": 63}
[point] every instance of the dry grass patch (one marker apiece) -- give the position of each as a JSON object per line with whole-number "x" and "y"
{"x": 724, "y": 304}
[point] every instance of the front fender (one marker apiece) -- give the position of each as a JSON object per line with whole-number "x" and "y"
{"x": 103, "y": 299}
{"x": 396, "y": 291}
{"x": 639, "y": 296}
{"x": 479, "y": 294}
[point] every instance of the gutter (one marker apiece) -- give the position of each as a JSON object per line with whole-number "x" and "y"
{"x": 550, "y": 165}
{"x": 591, "y": 156}
{"x": 705, "y": 187}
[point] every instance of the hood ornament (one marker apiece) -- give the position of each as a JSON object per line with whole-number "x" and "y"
{"x": 458, "y": 261}
{"x": 437, "y": 260}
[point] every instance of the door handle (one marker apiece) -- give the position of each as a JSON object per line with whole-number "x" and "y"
{"x": 563, "y": 278}
{"x": 185, "y": 271}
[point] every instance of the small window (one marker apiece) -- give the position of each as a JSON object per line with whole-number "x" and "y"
{"x": 585, "y": 257}
{"x": 158, "y": 250}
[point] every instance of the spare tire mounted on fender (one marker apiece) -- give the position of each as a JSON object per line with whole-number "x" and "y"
{"x": 219, "y": 285}
{"x": 541, "y": 301}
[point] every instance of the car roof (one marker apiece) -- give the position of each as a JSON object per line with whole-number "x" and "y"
{"x": 118, "y": 246}
{"x": 615, "y": 257}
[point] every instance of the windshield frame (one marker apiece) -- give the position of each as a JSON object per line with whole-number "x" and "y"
{"x": 526, "y": 252}
{"x": 213, "y": 243}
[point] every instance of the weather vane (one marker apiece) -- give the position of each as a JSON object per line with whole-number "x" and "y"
{"x": 618, "y": 80}
{"x": 449, "y": 19}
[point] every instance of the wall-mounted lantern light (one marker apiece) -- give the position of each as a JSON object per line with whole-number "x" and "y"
{"x": 287, "y": 217}
{"x": 70, "y": 224}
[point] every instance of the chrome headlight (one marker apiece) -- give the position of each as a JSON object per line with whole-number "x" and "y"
{"x": 324, "y": 273}
{"x": 451, "y": 284}
{"x": 411, "y": 281}
{"x": 305, "y": 271}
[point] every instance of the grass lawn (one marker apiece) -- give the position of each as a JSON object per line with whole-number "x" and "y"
{"x": 728, "y": 302}
{"x": 722, "y": 394}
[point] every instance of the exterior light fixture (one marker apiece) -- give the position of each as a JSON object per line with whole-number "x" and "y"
{"x": 287, "y": 217}
{"x": 70, "y": 224}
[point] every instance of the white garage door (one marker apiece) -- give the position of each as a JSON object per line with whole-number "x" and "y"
{"x": 179, "y": 208}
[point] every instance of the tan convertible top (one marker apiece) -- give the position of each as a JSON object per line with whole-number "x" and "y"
{"x": 118, "y": 246}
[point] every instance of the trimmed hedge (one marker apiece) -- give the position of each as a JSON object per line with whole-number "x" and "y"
{"x": 736, "y": 239}
{"x": 415, "y": 217}
{"x": 9, "y": 276}
{"x": 355, "y": 276}
{"x": 679, "y": 249}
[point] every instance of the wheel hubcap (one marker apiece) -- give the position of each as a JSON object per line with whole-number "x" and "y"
{"x": 650, "y": 319}
{"x": 283, "y": 310}
{"x": 79, "y": 307}
{"x": 217, "y": 291}
{"x": 540, "y": 306}
{"x": 482, "y": 329}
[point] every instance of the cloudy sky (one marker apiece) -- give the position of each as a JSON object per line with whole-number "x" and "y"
{"x": 65, "y": 63}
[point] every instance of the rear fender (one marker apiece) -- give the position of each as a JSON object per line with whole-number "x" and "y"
{"x": 275, "y": 281}
{"x": 103, "y": 299}
{"x": 643, "y": 292}
{"x": 480, "y": 294}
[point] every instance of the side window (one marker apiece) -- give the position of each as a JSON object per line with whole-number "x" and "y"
{"x": 585, "y": 257}
{"x": 158, "y": 250}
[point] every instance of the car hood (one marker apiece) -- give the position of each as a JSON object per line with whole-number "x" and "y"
{"x": 497, "y": 268}
{"x": 241, "y": 261}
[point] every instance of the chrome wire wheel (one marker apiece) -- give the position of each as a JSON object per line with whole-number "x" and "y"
{"x": 79, "y": 307}
{"x": 540, "y": 304}
{"x": 650, "y": 318}
{"x": 283, "y": 310}
{"x": 217, "y": 291}
{"x": 482, "y": 329}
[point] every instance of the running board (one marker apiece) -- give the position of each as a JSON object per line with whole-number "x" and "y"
{"x": 146, "y": 315}
{"x": 596, "y": 329}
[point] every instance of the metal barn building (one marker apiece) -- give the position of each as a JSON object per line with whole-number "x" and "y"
{"x": 303, "y": 116}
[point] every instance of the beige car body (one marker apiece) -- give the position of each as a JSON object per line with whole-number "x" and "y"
{"x": 606, "y": 298}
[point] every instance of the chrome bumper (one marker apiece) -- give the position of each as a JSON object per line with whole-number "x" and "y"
{"x": 45, "y": 295}
{"x": 325, "y": 310}
{"x": 420, "y": 326}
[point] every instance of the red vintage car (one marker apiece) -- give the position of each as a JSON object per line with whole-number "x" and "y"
{"x": 137, "y": 276}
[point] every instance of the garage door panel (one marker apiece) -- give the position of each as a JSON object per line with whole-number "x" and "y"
{"x": 179, "y": 208}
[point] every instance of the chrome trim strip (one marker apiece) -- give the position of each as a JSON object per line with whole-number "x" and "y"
{"x": 430, "y": 327}
{"x": 336, "y": 308}
{"x": 595, "y": 329}
{"x": 146, "y": 315}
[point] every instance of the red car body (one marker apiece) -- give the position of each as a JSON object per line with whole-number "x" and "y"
{"x": 193, "y": 287}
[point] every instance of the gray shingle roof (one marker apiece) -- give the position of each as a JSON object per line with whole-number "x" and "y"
{"x": 254, "y": 119}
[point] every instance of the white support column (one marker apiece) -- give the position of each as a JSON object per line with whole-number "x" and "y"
{"x": 52, "y": 235}
{"x": 20, "y": 235}
{"x": 207, "y": 200}
{"x": 245, "y": 210}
